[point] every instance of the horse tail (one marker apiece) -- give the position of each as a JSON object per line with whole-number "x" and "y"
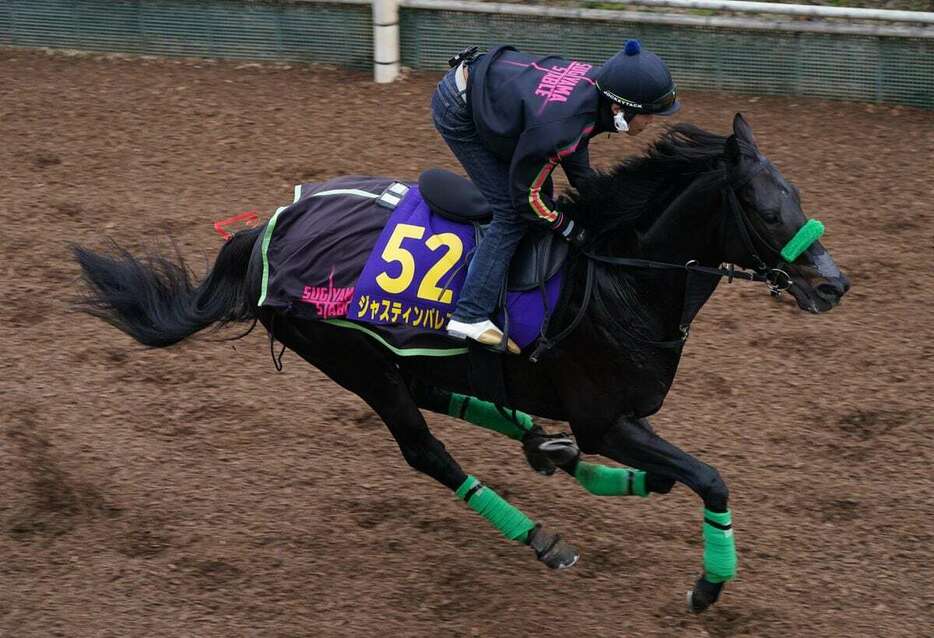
{"x": 154, "y": 299}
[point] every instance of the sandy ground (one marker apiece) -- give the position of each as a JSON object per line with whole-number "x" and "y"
{"x": 196, "y": 492}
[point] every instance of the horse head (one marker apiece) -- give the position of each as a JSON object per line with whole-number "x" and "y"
{"x": 767, "y": 230}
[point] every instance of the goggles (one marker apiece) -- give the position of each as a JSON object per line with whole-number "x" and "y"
{"x": 661, "y": 103}
{"x": 657, "y": 106}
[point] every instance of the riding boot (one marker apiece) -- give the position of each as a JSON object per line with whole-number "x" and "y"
{"x": 484, "y": 332}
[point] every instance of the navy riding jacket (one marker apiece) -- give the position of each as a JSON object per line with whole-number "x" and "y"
{"x": 535, "y": 113}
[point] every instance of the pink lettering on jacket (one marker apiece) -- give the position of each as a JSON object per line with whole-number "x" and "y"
{"x": 329, "y": 302}
{"x": 559, "y": 81}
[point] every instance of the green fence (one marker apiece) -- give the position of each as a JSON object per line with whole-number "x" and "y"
{"x": 870, "y": 68}
{"x": 300, "y": 32}
{"x": 853, "y": 67}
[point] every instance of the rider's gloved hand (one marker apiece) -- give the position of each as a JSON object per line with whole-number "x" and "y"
{"x": 572, "y": 232}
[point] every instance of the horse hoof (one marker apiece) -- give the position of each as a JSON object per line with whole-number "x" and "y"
{"x": 545, "y": 452}
{"x": 704, "y": 594}
{"x": 573, "y": 561}
{"x": 562, "y": 556}
{"x": 563, "y": 452}
{"x": 539, "y": 462}
{"x": 551, "y": 550}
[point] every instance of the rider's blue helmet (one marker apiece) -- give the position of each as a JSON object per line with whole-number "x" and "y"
{"x": 638, "y": 81}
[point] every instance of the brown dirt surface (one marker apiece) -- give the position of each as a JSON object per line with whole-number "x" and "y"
{"x": 194, "y": 491}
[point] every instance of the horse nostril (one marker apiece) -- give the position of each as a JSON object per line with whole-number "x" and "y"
{"x": 832, "y": 290}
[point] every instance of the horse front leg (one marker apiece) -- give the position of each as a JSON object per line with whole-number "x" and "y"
{"x": 632, "y": 442}
{"x": 598, "y": 479}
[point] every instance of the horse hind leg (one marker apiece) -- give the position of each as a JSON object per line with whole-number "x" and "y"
{"x": 514, "y": 424}
{"x": 353, "y": 361}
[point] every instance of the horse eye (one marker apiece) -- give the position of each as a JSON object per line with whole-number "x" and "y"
{"x": 770, "y": 217}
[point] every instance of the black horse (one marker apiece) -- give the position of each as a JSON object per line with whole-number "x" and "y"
{"x": 662, "y": 225}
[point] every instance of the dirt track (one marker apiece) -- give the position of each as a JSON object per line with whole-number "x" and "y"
{"x": 197, "y": 492}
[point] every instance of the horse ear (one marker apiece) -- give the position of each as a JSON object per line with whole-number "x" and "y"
{"x": 731, "y": 151}
{"x": 742, "y": 130}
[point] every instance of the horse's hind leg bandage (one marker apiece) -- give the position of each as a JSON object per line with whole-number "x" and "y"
{"x": 719, "y": 547}
{"x": 511, "y": 423}
{"x": 513, "y": 524}
{"x": 602, "y": 480}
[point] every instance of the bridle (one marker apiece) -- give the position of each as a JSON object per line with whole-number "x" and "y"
{"x": 776, "y": 277}
{"x": 698, "y": 289}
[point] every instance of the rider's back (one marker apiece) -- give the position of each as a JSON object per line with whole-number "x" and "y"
{"x": 511, "y": 92}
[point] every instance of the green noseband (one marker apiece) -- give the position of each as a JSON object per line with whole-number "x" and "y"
{"x": 806, "y": 235}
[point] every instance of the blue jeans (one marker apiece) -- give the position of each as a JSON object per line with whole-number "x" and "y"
{"x": 487, "y": 270}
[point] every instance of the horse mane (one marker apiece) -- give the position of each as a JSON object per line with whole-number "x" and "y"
{"x": 640, "y": 188}
{"x": 614, "y": 205}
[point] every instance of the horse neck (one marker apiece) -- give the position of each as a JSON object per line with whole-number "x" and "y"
{"x": 686, "y": 230}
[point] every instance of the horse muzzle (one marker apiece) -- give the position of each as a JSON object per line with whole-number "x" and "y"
{"x": 819, "y": 294}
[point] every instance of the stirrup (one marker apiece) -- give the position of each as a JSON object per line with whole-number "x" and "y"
{"x": 484, "y": 332}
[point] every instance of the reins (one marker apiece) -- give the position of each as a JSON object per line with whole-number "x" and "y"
{"x": 696, "y": 293}
{"x": 694, "y": 297}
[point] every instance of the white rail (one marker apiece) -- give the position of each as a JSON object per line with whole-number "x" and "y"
{"x": 647, "y": 17}
{"x": 833, "y": 20}
{"x": 731, "y": 6}
{"x": 807, "y": 10}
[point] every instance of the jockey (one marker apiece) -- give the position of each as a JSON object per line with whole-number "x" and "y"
{"x": 510, "y": 118}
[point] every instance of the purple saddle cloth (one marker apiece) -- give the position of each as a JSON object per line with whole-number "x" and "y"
{"x": 337, "y": 254}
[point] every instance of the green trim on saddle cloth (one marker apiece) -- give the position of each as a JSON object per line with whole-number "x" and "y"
{"x": 806, "y": 235}
{"x": 402, "y": 352}
{"x": 267, "y": 237}
{"x": 490, "y": 416}
{"x": 505, "y": 517}
{"x": 602, "y": 480}
{"x": 719, "y": 547}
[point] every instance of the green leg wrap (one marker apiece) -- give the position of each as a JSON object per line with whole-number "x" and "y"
{"x": 487, "y": 415}
{"x": 719, "y": 547}
{"x": 506, "y": 518}
{"x": 602, "y": 480}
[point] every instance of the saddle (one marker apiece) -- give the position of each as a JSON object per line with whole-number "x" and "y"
{"x": 540, "y": 254}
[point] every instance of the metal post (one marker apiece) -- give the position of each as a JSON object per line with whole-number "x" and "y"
{"x": 385, "y": 40}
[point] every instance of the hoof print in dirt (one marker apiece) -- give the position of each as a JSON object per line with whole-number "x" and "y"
{"x": 45, "y": 160}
